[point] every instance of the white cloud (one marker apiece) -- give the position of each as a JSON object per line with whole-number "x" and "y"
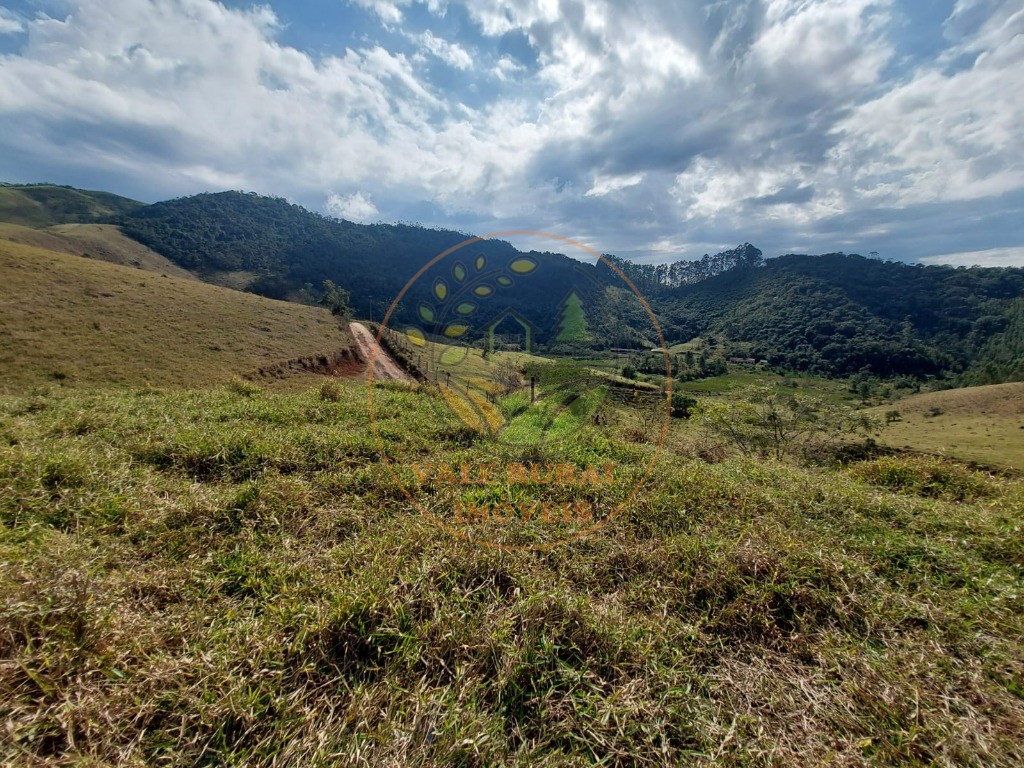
{"x": 507, "y": 68}
{"x": 9, "y": 22}
{"x": 650, "y": 123}
{"x": 604, "y": 185}
{"x": 389, "y": 11}
{"x": 992, "y": 257}
{"x": 945, "y": 136}
{"x": 452, "y": 54}
{"x": 354, "y": 207}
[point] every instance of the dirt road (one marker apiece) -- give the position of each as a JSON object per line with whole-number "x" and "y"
{"x": 384, "y": 366}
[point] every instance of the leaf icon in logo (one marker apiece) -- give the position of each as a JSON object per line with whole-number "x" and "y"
{"x": 455, "y": 330}
{"x": 465, "y": 308}
{"x": 459, "y": 273}
{"x": 523, "y": 266}
{"x": 454, "y": 355}
{"x": 504, "y": 281}
{"x": 440, "y": 289}
{"x": 483, "y": 290}
{"x": 481, "y": 262}
{"x": 416, "y": 337}
{"x": 426, "y": 313}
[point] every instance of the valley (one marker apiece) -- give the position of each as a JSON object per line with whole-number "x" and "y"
{"x": 543, "y": 542}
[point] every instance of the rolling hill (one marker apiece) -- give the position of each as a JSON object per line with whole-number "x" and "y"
{"x": 836, "y": 315}
{"x": 77, "y": 322}
{"x": 981, "y": 424}
{"x": 43, "y": 205}
{"x": 98, "y": 241}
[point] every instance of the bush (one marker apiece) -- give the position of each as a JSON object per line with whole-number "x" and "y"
{"x": 682, "y": 406}
{"x": 240, "y": 386}
{"x": 932, "y": 478}
{"x": 330, "y": 391}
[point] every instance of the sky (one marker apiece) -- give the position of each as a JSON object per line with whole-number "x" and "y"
{"x": 657, "y": 130}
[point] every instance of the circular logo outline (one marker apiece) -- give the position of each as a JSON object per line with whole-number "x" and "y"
{"x": 598, "y": 524}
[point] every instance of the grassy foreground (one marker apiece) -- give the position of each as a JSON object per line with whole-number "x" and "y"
{"x": 231, "y": 577}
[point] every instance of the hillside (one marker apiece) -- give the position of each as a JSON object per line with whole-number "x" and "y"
{"x": 842, "y": 314}
{"x": 43, "y": 205}
{"x": 98, "y": 241}
{"x": 981, "y": 424}
{"x": 78, "y": 322}
{"x": 834, "y": 315}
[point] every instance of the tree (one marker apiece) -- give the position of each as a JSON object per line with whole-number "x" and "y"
{"x": 336, "y": 299}
{"x": 508, "y": 377}
{"x": 682, "y": 405}
{"x": 771, "y": 424}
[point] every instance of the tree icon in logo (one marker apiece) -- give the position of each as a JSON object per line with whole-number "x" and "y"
{"x": 573, "y": 323}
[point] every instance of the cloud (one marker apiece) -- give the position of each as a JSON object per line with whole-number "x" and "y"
{"x": 9, "y": 22}
{"x": 607, "y": 184}
{"x": 656, "y": 127}
{"x": 993, "y": 257}
{"x": 452, "y": 54}
{"x": 389, "y": 11}
{"x": 354, "y": 207}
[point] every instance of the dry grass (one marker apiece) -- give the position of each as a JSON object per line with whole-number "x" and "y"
{"x": 75, "y": 322}
{"x": 981, "y": 424}
{"x": 230, "y": 577}
{"x": 98, "y": 241}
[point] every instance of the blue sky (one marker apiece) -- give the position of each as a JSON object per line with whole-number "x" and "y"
{"x": 655, "y": 129}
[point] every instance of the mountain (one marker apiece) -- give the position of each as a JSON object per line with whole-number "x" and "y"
{"x": 287, "y": 251}
{"x": 833, "y": 314}
{"x": 839, "y": 314}
{"x": 44, "y": 205}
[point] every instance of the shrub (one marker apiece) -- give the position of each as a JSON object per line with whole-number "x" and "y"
{"x": 682, "y": 405}
{"x": 240, "y": 386}
{"x": 330, "y": 391}
{"x": 933, "y": 478}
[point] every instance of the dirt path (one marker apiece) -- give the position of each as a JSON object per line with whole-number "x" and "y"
{"x": 384, "y": 366}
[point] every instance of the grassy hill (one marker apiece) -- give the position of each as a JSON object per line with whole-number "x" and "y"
{"x": 982, "y": 424}
{"x": 43, "y": 205}
{"x": 225, "y": 575}
{"x": 834, "y": 315}
{"x": 98, "y": 241}
{"x": 75, "y": 321}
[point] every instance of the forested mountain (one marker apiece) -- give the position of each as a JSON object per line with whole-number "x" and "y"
{"x": 834, "y": 314}
{"x": 838, "y": 314}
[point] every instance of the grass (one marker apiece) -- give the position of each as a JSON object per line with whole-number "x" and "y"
{"x": 981, "y": 424}
{"x": 43, "y": 205}
{"x": 231, "y": 577}
{"x": 69, "y": 321}
{"x": 829, "y": 390}
{"x": 98, "y": 241}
